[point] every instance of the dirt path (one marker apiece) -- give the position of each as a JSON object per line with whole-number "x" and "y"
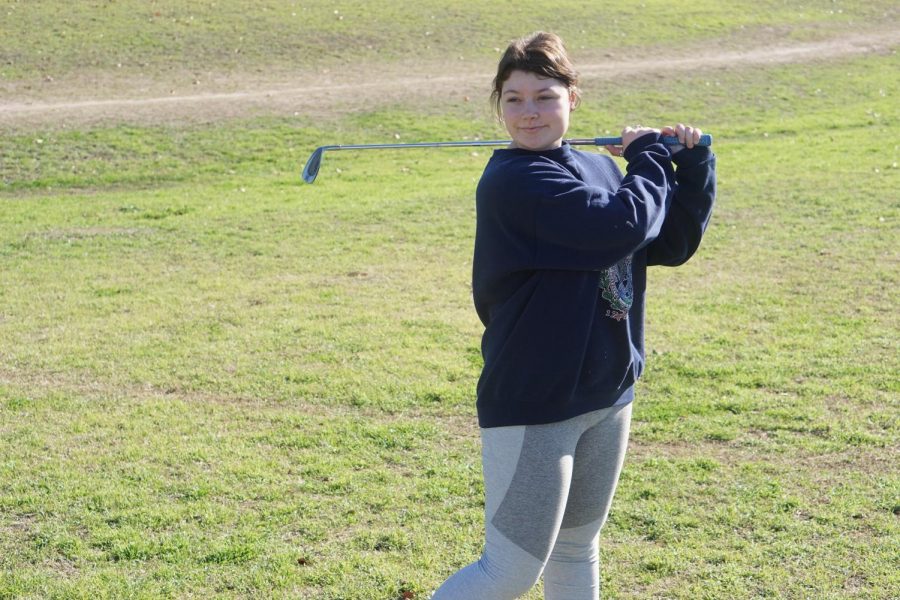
{"x": 330, "y": 94}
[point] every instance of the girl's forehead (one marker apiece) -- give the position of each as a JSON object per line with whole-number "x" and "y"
{"x": 528, "y": 80}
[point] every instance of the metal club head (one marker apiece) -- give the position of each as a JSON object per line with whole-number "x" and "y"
{"x": 312, "y": 165}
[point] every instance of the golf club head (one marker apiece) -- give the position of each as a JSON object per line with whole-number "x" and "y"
{"x": 312, "y": 165}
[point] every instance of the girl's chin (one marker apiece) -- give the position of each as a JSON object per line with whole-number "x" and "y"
{"x": 536, "y": 146}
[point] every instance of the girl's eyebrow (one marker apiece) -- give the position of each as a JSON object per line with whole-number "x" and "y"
{"x": 540, "y": 91}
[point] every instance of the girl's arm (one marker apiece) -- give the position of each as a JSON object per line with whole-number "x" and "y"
{"x": 691, "y": 205}
{"x": 558, "y": 222}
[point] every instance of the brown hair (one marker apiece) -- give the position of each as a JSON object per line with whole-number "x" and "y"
{"x": 543, "y": 54}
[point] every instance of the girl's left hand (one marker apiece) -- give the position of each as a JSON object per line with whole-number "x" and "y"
{"x": 687, "y": 135}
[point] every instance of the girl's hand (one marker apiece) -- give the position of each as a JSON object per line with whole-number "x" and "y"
{"x": 687, "y": 136}
{"x": 629, "y": 134}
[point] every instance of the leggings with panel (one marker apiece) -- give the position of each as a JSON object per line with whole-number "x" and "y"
{"x": 548, "y": 489}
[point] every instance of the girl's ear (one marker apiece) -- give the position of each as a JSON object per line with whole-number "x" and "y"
{"x": 573, "y": 99}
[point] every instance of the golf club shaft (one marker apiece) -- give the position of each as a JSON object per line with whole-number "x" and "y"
{"x": 311, "y": 170}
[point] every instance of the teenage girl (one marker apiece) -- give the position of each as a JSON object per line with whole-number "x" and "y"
{"x": 562, "y": 245}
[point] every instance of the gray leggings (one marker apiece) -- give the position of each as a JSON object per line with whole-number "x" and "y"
{"x": 548, "y": 489}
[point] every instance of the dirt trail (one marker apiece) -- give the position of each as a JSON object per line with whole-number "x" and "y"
{"x": 331, "y": 94}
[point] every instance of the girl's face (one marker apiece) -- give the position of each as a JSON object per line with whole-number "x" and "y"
{"x": 535, "y": 110}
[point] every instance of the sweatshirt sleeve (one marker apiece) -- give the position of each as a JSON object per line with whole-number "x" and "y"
{"x": 690, "y": 209}
{"x": 570, "y": 225}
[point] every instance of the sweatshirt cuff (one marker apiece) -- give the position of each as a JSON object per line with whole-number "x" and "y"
{"x": 691, "y": 157}
{"x": 640, "y": 145}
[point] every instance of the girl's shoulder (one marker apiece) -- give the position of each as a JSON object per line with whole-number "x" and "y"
{"x": 595, "y": 159}
{"x": 597, "y": 169}
{"x": 537, "y": 172}
{"x": 515, "y": 164}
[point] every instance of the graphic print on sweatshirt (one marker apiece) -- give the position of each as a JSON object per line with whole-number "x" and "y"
{"x": 618, "y": 289}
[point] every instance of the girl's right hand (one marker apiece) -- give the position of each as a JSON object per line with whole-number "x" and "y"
{"x": 629, "y": 134}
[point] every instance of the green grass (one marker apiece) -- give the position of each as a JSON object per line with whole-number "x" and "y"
{"x": 216, "y": 381}
{"x": 130, "y": 37}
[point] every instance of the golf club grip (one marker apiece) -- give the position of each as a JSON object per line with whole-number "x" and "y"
{"x": 669, "y": 140}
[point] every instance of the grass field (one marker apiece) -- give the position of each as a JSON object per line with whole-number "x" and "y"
{"x": 132, "y": 37}
{"x": 217, "y": 381}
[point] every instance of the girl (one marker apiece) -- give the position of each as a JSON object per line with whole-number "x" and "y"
{"x": 562, "y": 245}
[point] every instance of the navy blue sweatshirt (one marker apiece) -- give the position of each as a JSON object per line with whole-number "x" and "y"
{"x": 562, "y": 245}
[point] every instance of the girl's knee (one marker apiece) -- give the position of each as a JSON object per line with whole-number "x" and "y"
{"x": 575, "y": 549}
{"x": 511, "y": 580}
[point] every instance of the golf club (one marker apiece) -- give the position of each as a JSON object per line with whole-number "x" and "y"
{"x": 315, "y": 160}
